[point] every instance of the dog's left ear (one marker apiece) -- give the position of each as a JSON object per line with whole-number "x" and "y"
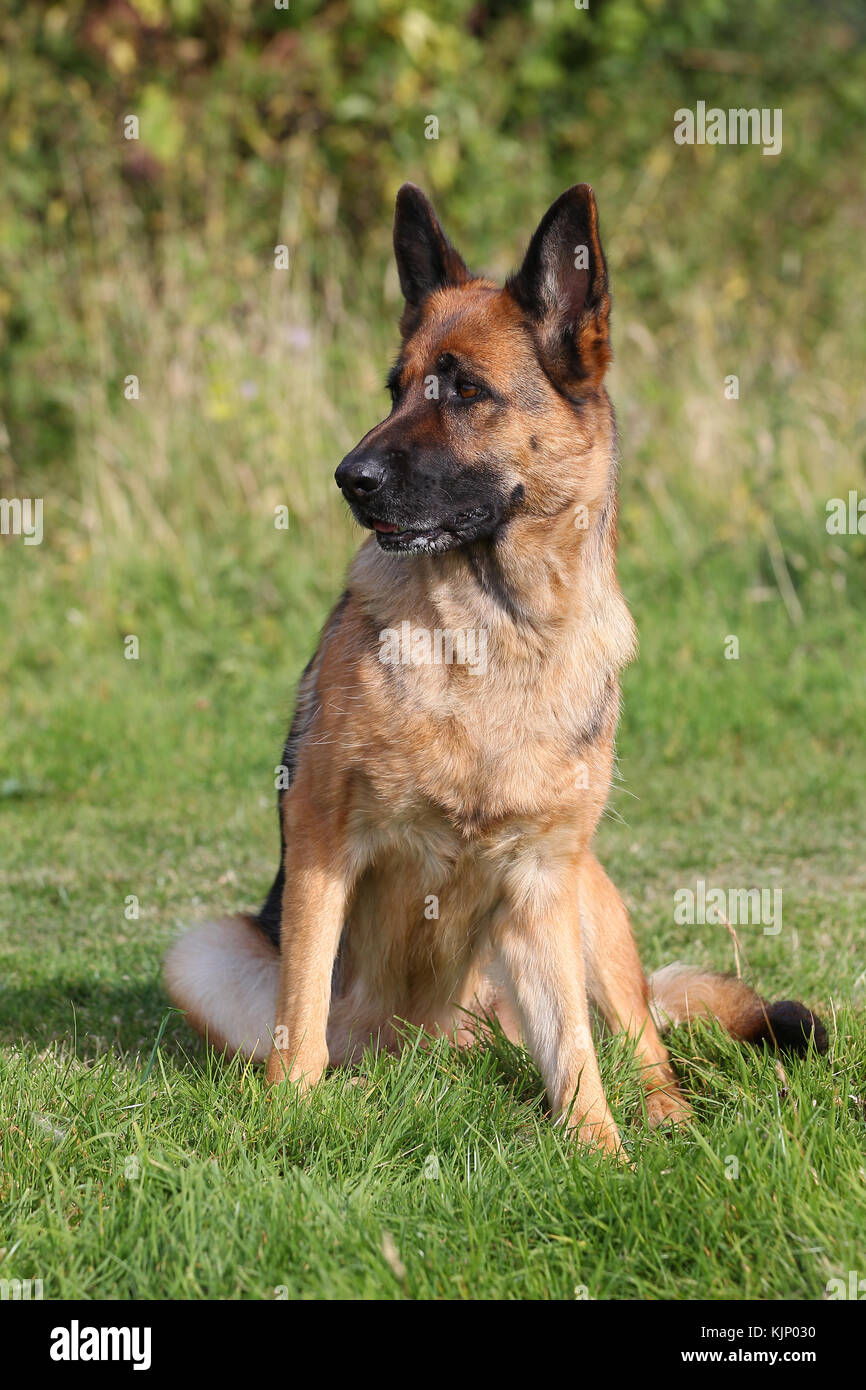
{"x": 562, "y": 288}
{"x": 426, "y": 260}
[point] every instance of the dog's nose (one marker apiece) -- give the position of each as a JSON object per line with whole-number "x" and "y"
{"x": 360, "y": 475}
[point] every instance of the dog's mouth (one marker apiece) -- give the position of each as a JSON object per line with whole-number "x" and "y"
{"x": 397, "y": 538}
{"x": 408, "y": 539}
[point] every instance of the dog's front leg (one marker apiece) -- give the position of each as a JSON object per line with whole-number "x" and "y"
{"x": 616, "y": 984}
{"x": 539, "y": 945}
{"x": 313, "y": 912}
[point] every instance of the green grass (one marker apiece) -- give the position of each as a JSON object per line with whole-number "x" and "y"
{"x": 153, "y": 779}
{"x": 192, "y": 1182}
{"x": 135, "y": 1164}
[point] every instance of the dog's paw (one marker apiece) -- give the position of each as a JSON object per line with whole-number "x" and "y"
{"x": 304, "y": 1069}
{"x": 665, "y": 1107}
{"x": 601, "y": 1135}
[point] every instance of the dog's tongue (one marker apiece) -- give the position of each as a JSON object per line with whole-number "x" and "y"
{"x": 384, "y": 527}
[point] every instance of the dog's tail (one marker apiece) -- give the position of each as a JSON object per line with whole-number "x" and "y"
{"x": 225, "y": 975}
{"x": 679, "y": 993}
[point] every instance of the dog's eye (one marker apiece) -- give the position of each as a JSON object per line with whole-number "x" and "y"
{"x": 467, "y": 390}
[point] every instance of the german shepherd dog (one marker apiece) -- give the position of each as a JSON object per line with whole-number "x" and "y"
{"x": 437, "y": 827}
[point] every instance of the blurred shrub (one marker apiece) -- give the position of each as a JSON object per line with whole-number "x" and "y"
{"x": 261, "y": 125}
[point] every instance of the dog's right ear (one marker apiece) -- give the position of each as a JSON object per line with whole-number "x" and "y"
{"x": 562, "y": 288}
{"x": 426, "y": 260}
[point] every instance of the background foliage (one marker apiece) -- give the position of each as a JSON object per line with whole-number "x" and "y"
{"x": 262, "y": 126}
{"x": 154, "y": 778}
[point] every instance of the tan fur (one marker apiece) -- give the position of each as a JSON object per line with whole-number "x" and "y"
{"x": 679, "y": 993}
{"x": 423, "y": 780}
{"x": 483, "y": 793}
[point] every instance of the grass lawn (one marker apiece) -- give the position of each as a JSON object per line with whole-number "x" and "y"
{"x": 196, "y": 320}
{"x": 135, "y": 1164}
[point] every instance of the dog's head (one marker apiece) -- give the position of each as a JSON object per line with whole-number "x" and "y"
{"x": 497, "y": 393}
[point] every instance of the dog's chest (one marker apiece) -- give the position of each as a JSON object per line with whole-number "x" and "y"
{"x": 480, "y": 753}
{"x": 444, "y": 803}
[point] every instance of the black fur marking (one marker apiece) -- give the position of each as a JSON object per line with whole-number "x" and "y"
{"x": 488, "y": 576}
{"x": 270, "y": 917}
{"x": 433, "y": 499}
{"x": 393, "y": 379}
{"x": 572, "y": 393}
{"x": 792, "y": 1027}
{"x": 605, "y": 710}
{"x": 271, "y": 914}
{"x": 549, "y": 260}
{"x": 426, "y": 260}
